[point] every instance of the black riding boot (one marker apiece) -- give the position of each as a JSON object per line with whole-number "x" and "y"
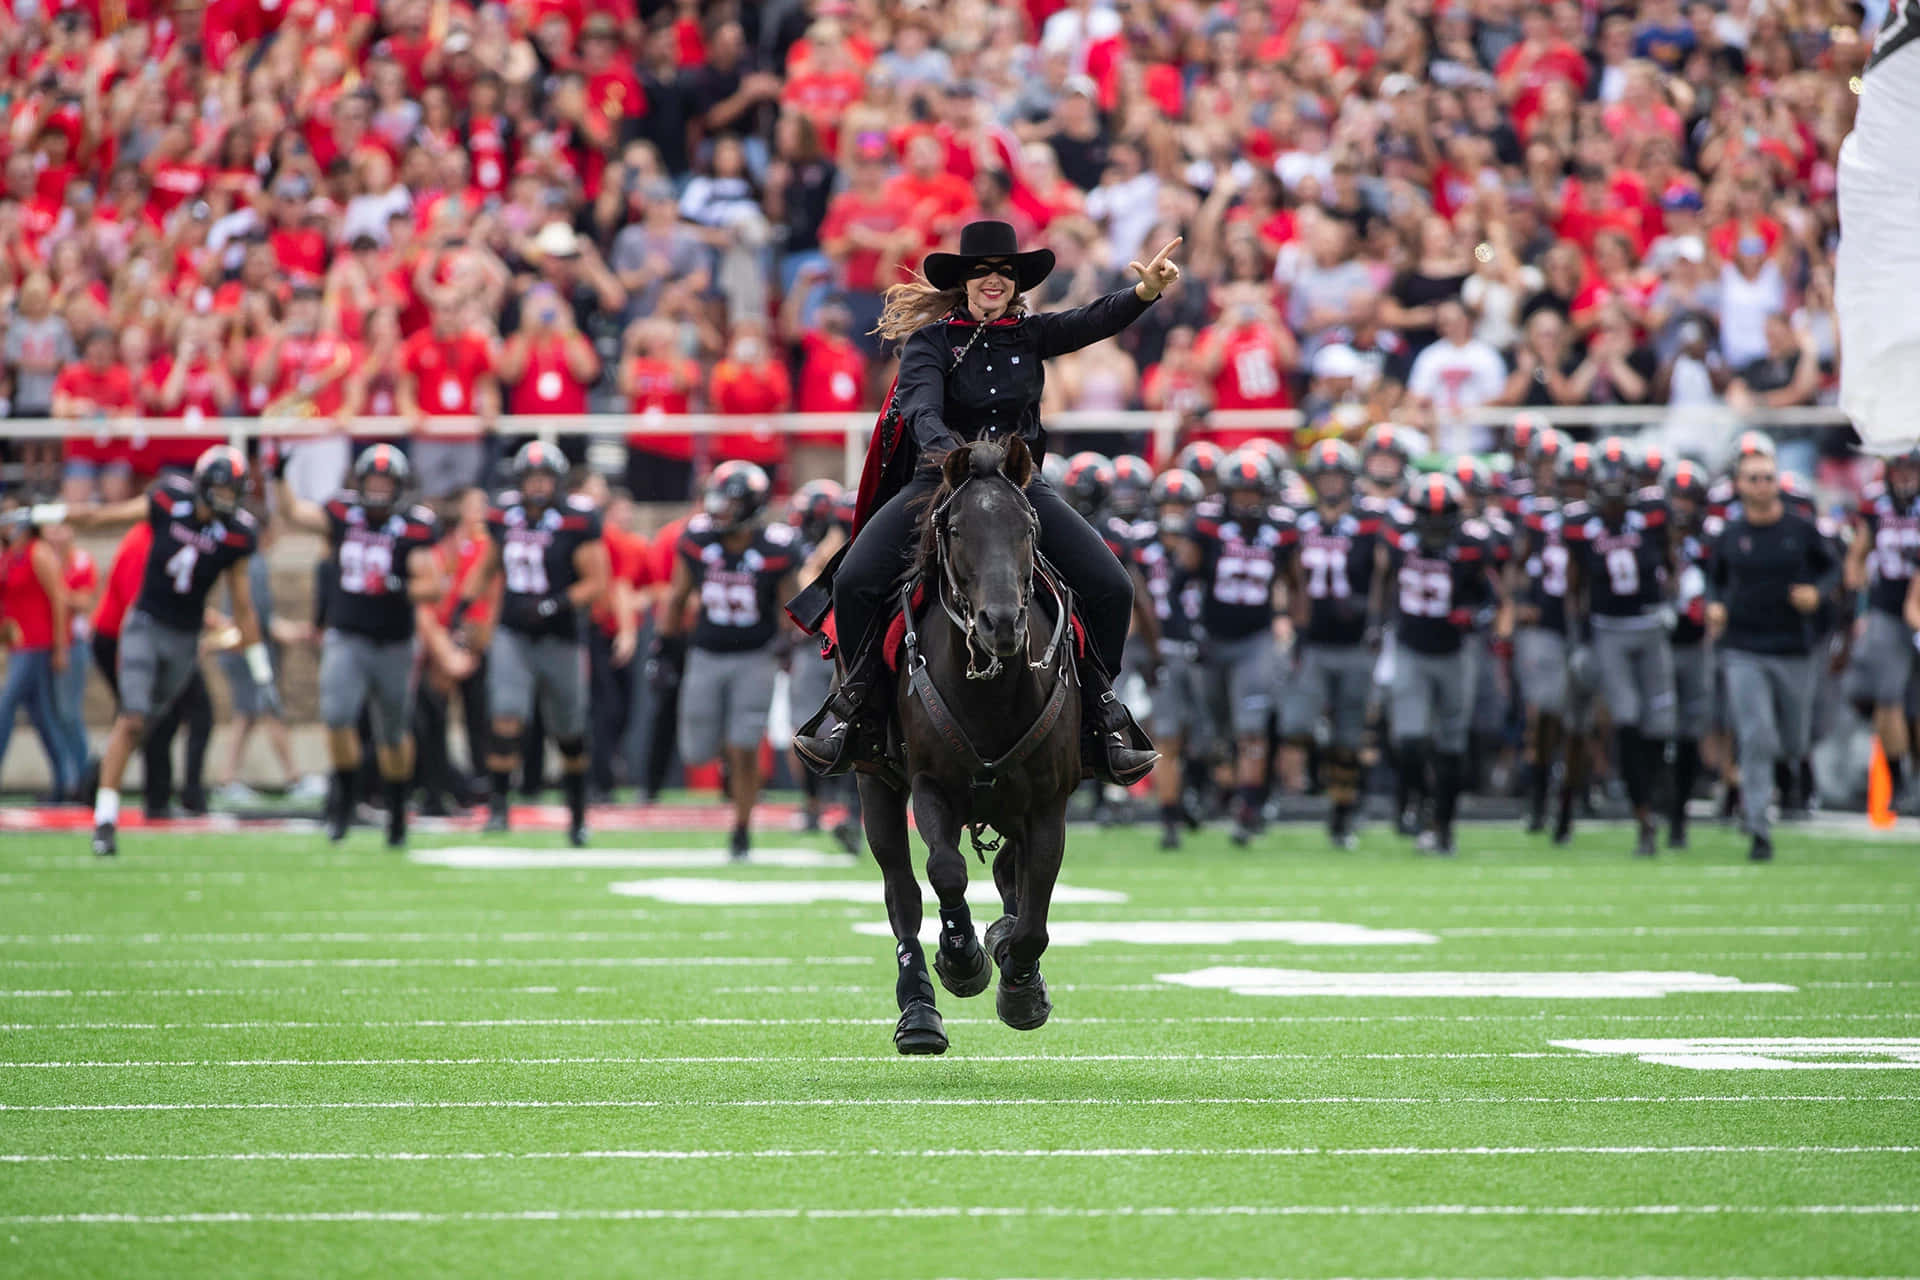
{"x": 836, "y": 751}
{"x": 1112, "y": 746}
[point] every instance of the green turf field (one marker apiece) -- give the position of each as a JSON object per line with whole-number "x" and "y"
{"x": 261, "y": 1055}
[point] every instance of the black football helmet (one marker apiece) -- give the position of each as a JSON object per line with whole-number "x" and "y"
{"x": 1437, "y": 504}
{"x": 1202, "y": 459}
{"x": 381, "y": 461}
{"x": 219, "y": 477}
{"x": 1181, "y": 491}
{"x": 1247, "y": 472}
{"x": 1088, "y": 483}
{"x": 1329, "y": 460}
{"x": 814, "y": 508}
{"x": 538, "y": 458}
{"x": 1132, "y": 483}
{"x": 1903, "y": 475}
{"x": 737, "y": 493}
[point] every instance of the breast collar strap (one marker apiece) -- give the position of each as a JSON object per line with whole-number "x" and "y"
{"x": 986, "y": 774}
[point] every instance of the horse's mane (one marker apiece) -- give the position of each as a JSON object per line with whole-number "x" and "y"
{"x": 985, "y": 459}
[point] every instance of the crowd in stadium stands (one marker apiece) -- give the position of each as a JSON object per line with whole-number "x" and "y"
{"x": 1402, "y": 209}
{"x": 1398, "y": 211}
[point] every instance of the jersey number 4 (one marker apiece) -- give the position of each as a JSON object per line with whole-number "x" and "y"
{"x": 180, "y": 568}
{"x": 526, "y": 568}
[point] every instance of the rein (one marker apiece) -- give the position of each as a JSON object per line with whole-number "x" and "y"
{"x": 986, "y": 774}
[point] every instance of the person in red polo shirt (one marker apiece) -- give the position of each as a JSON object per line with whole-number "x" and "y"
{"x": 865, "y": 234}
{"x": 751, "y": 381}
{"x": 548, "y": 363}
{"x": 657, "y": 380}
{"x": 447, "y": 371}
{"x": 833, "y": 379}
{"x": 33, "y": 602}
{"x": 96, "y": 389}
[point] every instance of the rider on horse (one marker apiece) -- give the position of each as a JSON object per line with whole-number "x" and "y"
{"x": 971, "y": 367}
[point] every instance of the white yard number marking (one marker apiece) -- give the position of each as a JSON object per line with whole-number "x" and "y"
{"x": 364, "y": 563}
{"x": 1414, "y": 984}
{"x": 1425, "y": 593}
{"x": 1326, "y": 572}
{"x": 1623, "y": 568}
{"x": 1766, "y": 1053}
{"x": 180, "y": 568}
{"x": 730, "y": 604}
{"x": 1244, "y": 576}
{"x": 526, "y": 566}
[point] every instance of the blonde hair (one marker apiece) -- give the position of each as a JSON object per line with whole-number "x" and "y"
{"x": 915, "y": 304}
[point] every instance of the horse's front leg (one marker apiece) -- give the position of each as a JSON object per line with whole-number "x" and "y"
{"x": 884, "y": 813}
{"x": 1021, "y": 1000}
{"x": 963, "y": 967}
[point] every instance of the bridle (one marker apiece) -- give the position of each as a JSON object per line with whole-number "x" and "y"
{"x": 953, "y": 597}
{"x": 984, "y": 774}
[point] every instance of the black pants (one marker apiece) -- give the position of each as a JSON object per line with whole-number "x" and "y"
{"x": 193, "y": 708}
{"x": 865, "y": 581}
{"x": 611, "y": 691}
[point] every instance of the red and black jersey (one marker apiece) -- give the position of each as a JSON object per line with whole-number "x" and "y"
{"x": 536, "y": 558}
{"x": 371, "y": 597}
{"x": 1239, "y": 561}
{"x": 1336, "y": 558}
{"x": 1438, "y": 593}
{"x": 1175, "y": 591}
{"x": 1546, "y": 559}
{"x": 1893, "y": 533}
{"x": 188, "y": 556}
{"x": 1622, "y": 563}
{"x": 739, "y": 590}
{"x": 1122, "y": 536}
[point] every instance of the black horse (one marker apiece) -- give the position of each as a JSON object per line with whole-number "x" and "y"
{"x": 989, "y": 723}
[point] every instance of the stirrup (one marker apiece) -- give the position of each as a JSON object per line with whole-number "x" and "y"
{"x": 1116, "y": 748}
{"x": 828, "y": 754}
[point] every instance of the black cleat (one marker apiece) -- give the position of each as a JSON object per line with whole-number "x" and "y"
{"x": 397, "y": 827}
{"x": 104, "y": 843}
{"x": 739, "y": 845}
{"x": 577, "y": 834}
{"x": 1170, "y": 837}
{"x": 848, "y": 833}
{"x": 1246, "y": 828}
{"x": 1644, "y": 847}
{"x": 1761, "y": 850}
{"x": 1438, "y": 843}
{"x": 339, "y": 818}
{"x": 496, "y": 818}
{"x": 1677, "y": 833}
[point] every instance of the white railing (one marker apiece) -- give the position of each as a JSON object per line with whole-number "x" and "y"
{"x": 1163, "y": 427}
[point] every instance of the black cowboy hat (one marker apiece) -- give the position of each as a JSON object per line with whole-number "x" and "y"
{"x": 980, "y": 241}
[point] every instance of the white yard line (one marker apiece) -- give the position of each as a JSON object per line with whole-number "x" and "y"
{"x": 443, "y": 962}
{"x": 280, "y": 1024}
{"x": 783, "y": 1059}
{"x": 157, "y": 938}
{"x": 1662, "y": 931}
{"x": 1136, "y": 955}
{"x": 541, "y": 1104}
{"x": 883, "y": 1153}
{"x": 429, "y": 1218}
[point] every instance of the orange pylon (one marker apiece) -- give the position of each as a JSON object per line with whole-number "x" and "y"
{"x": 1879, "y": 788}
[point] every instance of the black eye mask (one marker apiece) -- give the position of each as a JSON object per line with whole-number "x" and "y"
{"x": 981, "y": 270}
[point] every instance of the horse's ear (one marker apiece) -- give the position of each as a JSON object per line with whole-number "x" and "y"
{"x": 1018, "y": 464}
{"x": 954, "y": 466}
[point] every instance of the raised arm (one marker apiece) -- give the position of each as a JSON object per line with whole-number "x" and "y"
{"x": 302, "y": 513}
{"x": 1063, "y": 331}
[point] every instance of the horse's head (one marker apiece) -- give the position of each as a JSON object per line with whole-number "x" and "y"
{"x": 982, "y": 532}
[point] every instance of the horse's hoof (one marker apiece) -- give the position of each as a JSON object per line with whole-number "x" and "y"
{"x": 920, "y": 1030}
{"x": 964, "y": 973}
{"x": 999, "y": 935}
{"x": 1024, "y": 1005}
